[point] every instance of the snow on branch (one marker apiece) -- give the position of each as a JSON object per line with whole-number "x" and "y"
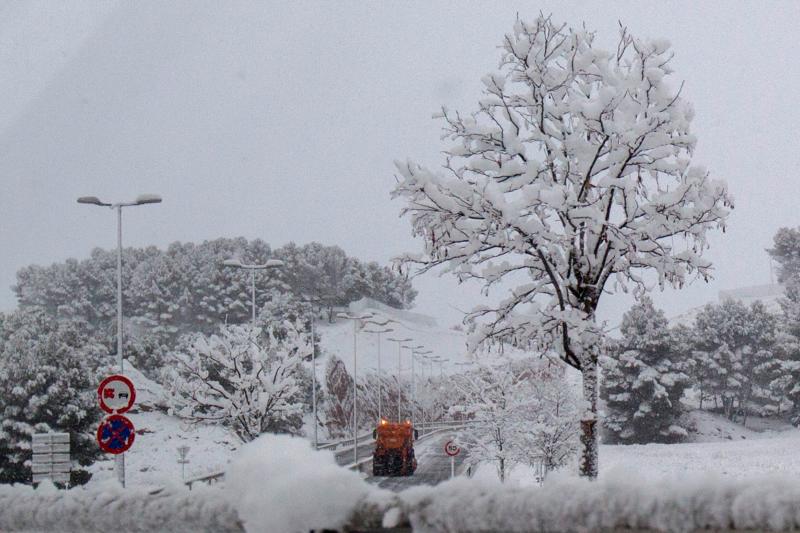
{"x": 575, "y": 168}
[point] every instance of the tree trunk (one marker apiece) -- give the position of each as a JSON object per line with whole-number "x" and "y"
{"x": 589, "y": 440}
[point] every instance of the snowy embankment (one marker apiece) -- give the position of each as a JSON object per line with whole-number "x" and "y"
{"x": 278, "y": 483}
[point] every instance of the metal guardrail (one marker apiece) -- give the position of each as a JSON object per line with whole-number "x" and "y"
{"x": 345, "y": 443}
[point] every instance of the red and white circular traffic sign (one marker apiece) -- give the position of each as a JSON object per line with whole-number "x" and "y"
{"x": 115, "y": 434}
{"x": 451, "y": 448}
{"x": 116, "y": 394}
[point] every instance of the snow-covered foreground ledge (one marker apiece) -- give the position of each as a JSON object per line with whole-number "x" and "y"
{"x": 280, "y": 484}
{"x": 111, "y": 508}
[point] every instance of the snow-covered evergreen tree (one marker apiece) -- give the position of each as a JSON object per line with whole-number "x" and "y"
{"x": 644, "y": 380}
{"x": 736, "y": 342}
{"x": 786, "y": 252}
{"x": 243, "y": 378}
{"x": 575, "y": 172}
{"x": 48, "y": 378}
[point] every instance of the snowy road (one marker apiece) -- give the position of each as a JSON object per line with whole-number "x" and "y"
{"x": 433, "y": 466}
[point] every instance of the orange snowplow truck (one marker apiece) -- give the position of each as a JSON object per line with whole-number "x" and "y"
{"x": 394, "y": 449}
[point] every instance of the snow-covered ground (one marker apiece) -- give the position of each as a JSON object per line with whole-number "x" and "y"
{"x": 719, "y": 448}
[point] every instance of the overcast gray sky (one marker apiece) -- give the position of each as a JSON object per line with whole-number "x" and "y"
{"x": 280, "y": 120}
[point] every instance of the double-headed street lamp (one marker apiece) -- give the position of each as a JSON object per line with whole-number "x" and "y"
{"x": 359, "y": 321}
{"x": 399, "y": 389}
{"x": 380, "y": 375}
{"x": 414, "y": 349}
{"x": 236, "y": 263}
{"x": 140, "y": 200}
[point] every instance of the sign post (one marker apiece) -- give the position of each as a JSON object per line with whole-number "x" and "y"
{"x": 51, "y": 458}
{"x": 183, "y": 451}
{"x": 452, "y": 449}
{"x": 115, "y": 434}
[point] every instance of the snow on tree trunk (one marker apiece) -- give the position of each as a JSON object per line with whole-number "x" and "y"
{"x": 589, "y": 439}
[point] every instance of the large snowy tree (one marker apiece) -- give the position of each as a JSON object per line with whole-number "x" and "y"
{"x": 244, "y": 378}
{"x": 574, "y": 171}
{"x": 49, "y": 372}
{"x": 644, "y": 379}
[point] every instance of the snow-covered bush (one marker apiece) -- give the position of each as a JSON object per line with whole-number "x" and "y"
{"x": 644, "y": 380}
{"x": 575, "y": 171}
{"x": 48, "y": 378}
{"x": 243, "y": 378}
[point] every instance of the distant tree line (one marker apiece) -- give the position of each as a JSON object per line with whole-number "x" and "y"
{"x": 186, "y": 288}
{"x": 739, "y": 360}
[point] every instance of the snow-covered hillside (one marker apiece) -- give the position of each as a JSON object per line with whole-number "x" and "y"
{"x": 769, "y": 295}
{"x": 153, "y": 458}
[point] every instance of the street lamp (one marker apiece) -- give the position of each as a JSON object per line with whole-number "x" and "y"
{"x": 380, "y": 388}
{"x": 359, "y": 321}
{"x": 235, "y": 263}
{"x": 413, "y": 349}
{"x": 140, "y": 200}
{"x": 399, "y": 346}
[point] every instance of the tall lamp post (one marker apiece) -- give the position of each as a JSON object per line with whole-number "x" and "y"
{"x": 413, "y": 378}
{"x": 119, "y": 461}
{"x": 422, "y": 353}
{"x": 441, "y": 361}
{"x": 399, "y": 348}
{"x": 236, "y": 263}
{"x": 380, "y": 375}
{"x": 359, "y": 321}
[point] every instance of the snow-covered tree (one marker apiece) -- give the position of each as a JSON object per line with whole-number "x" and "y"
{"x": 48, "y": 378}
{"x": 644, "y": 379}
{"x": 738, "y": 342}
{"x": 338, "y": 406}
{"x": 786, "y": 252}
{"x": 575, "y": 172}
{"x": 551, "y": 440}
{"x": 525, "y": 412}
{"x": 244, "y": 378}
{"x": 494, "y": 395}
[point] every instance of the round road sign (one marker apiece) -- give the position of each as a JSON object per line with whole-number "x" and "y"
{"x": 116, "y": 394}
{"x": 115, "y": 434}
{"x": 451, "y": 448}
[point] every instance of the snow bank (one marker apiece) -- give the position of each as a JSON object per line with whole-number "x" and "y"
{"x": 614, "y": 502}
{"x": 112, "y": 508}
{"x": 279, "y": 483}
